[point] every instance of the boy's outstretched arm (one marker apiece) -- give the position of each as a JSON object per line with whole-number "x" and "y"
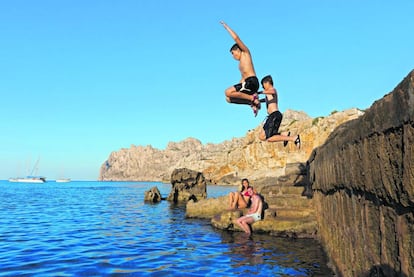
{"x": 236, "y": 38}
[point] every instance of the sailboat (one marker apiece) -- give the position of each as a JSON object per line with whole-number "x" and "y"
{"x": 31, "y": 178}
{"x": 28, "y": 179}
{"x": 63, "y": 180}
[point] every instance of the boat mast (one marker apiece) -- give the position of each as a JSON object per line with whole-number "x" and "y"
{"x": 35, "y": 168}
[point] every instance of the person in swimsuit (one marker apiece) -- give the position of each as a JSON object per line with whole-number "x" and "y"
{"x": 240, "y": 199}
{"x": 270, "y": 131}
{"x": 254, "y": 214}
{"x": 245, "y": 92}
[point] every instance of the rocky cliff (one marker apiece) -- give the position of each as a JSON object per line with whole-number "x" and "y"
{"x": 363, "y": 183}
{"x": 229, "y": 161}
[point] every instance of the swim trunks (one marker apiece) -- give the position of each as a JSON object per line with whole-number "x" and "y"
{"x": 249, "y": 86}
{"x": 272, "y": 124}
{"x": 255, "y": 216}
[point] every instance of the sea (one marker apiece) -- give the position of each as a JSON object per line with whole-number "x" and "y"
{"x": 93, "y": 228}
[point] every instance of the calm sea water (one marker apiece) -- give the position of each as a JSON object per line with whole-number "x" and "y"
{"x": 106, "y": 229}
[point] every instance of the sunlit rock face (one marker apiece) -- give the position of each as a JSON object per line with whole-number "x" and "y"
{"x": 363, "y": 183}
{"x": 229, "y": 161}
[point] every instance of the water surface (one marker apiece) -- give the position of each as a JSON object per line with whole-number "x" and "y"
{"x": 105, "y": 228}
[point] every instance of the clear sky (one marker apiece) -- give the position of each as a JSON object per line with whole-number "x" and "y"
{"x": 80, "y": 79}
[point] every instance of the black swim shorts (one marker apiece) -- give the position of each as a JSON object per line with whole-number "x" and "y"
{"x": 272, "y": 124}
{"x": 249, "y": 86}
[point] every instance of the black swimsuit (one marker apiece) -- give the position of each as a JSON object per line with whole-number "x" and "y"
{"x": 272, "y": 124}
{"x": 249, "y": 86}
{"x": 273, "y": 100}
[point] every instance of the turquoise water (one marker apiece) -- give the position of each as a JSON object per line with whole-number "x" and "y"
{"x": 106, "y": 229}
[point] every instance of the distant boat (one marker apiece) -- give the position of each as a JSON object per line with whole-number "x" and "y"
{"x": 31, "y": 178}
{"x": 28, "y": 179}
{"x": 63, "y": 180}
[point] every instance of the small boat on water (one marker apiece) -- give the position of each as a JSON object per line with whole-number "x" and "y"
{"x": 63, "y": 180}
{"x": 32, "y": 178}
{"x": 28, "y": 179}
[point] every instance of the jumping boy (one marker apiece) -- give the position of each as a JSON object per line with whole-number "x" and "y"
{"x": 244, "y": 92}
{"x": 270, "y": 131}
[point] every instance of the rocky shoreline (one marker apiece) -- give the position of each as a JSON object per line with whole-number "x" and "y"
{"x": 351, "y": 186}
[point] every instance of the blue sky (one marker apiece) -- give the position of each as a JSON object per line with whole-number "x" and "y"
{"x": 80, "y": 79}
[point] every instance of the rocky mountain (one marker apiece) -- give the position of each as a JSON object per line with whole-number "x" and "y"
{"x": 229, "y": 161}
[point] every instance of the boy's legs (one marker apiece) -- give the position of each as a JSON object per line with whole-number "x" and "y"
{"x": 246, "y": 91}
{"x": 237, "y": 97}
{"x": 270, "y": 131}
{"x": 277, "y": 138}
{"x": 244, "y": 222}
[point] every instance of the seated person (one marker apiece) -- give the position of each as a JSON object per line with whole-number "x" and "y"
{"x": 240, "y": 199}
{"x": 254, "y": 214}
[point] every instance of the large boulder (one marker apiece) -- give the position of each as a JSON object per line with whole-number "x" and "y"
{"x": 187, "y": 185}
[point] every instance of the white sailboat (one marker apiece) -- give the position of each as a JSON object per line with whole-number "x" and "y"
{"x": 31, "y": 178}
{"x": 28, "y": 179}
{"x": 63, "y": 180}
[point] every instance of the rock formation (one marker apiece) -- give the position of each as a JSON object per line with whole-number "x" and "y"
{"x": 363, "y": 183}
{"x": 227, "y": 162}
{"x": 288, "y": 213}
{"x": 352, "y": 186}
{"x": 187, "y": 185}
{"x": 153, "y": 195}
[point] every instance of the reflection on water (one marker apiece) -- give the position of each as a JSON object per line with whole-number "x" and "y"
{"x": 289, "y": 257}
{"x": 105, "y": 228}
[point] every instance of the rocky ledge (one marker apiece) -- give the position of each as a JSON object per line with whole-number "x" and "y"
{"x": 289, "y": 209}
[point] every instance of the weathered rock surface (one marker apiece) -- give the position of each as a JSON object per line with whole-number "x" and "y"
{"x": 227, "y": 162}
{"x": 363, "y": 183}
{"x": 288, "y": 213}
{"x": 187, "y": 185}
{"x": 356, "y": 195}
{"x": 153, "y": 195}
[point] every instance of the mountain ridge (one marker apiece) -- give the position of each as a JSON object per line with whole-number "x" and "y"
{"x": 229, "y": 161}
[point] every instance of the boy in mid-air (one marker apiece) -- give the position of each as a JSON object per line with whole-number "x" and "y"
{"x": 270, "y": 131}
{"x": 246, "y": 91}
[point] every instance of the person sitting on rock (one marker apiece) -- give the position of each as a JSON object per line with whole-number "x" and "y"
{"x": 240, "y": 199}
{"x": 254, "y": 214}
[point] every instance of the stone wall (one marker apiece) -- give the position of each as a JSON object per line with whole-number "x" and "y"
{"x": 363, "y": 183}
